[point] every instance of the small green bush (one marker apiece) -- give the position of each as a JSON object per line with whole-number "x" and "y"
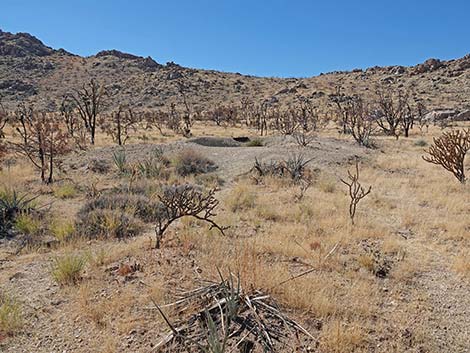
{"x": 11, "y": 318}
{"x": 68, "y": 269}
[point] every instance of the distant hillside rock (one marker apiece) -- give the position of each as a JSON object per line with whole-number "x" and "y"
{"x": 118, "y": 54}
{"x": 12, "y": 87}
{"x": 21, "y": 45}
{"x": 32, "y": 71}
{"x": 428, "y": 66}
{"x": 149, "y": 64}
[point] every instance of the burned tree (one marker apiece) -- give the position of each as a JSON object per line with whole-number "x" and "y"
{"x": 3, "y": 120}
{"x": 360, "y": 121}
{"x": 356, "y": 191}
{"x": 73, "y": 123}
{"x": 186, "y": 200}
{"x": 341, "y": 103}
{"x": 89, "y": 102}
{"x": 120, "y": 123}
{"x": 393, "y": 110}
{"x": 42, "y": 139}
{"x": 355, "y": 117}
{"x": 449, "y": 151}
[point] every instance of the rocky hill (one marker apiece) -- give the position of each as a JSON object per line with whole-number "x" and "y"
{"x": 32, "y": 71}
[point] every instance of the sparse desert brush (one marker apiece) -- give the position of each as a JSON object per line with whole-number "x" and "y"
{"x": 11, "y": 317}
{"x": 137, "y": 205}
{"x": 106, "y": 223}
{"x": 241, "y": 197}
{"x": 209, "y": 180}
{"x": 65, "y": 191}
{"x": 190, "y": 162}
{"x": 68, "y": 269}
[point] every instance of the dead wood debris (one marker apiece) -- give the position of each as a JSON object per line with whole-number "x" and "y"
{"x": 223, "y": 318}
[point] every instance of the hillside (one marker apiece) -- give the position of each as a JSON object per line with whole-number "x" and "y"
{"x": 30, "y": 70}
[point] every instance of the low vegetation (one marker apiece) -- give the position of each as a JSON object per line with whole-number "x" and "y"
{"x": 68, "y": 269}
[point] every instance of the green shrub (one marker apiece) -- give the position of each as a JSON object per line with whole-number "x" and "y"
{"x": 190, "y": 162}
{"x": 11, "y": 318}
{"x": 68, "y": 269}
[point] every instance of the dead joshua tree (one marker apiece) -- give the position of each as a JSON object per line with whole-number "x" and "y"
{"x": 3, "y": 119}
{"x": 42, "y": 139}
{"x": 89, "y": 103}
{"x": 341, "y": 102}
{"x": 356, "y": 191}
{"x": 73, "y": 123}
{"x": 359, "y": 121}
{"x": 184, "y": 201}
{"x": 393, "y": 110}
{"x": 120, "y": 124}
{"x": 449, "y": 151}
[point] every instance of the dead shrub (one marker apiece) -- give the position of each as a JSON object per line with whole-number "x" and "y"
{"x": 190, "y": 162}
{"x": 139, "y": 205}
{"x": 186, "y": 200}
{"x": 294, "y": 168}
{"x": 106, "y": 223}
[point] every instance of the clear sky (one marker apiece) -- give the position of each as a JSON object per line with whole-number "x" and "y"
{"x": 267, "y": 38}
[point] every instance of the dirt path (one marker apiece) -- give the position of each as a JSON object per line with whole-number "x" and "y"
{"x": 437, "y": 304}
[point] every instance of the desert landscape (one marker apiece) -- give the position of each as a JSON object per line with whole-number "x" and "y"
{"x": 148, "y": 207}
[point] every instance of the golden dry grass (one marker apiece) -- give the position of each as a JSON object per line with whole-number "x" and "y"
{"x": 415, "y": 213}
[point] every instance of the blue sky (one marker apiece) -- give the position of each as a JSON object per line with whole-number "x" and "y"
{"x": 283, "y": 38}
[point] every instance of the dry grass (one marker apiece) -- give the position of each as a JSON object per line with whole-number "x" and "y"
{"x": 414, "y": 218}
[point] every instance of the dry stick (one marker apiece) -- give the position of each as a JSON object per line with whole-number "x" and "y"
{"x": 307, "y": 271}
